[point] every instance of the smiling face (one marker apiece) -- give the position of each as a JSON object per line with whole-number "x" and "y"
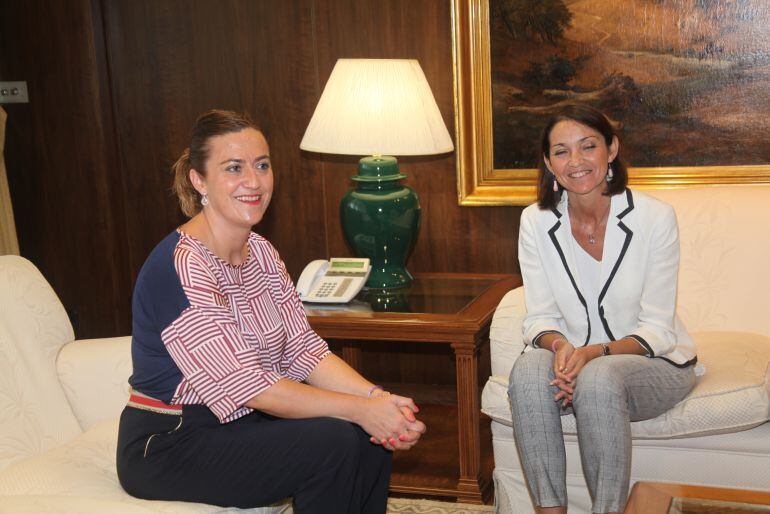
{"x": 579, "y": 157}
{"x": 238, "y": 180}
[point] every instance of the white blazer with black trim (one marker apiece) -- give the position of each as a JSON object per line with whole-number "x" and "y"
{"x": 639, "y": 271}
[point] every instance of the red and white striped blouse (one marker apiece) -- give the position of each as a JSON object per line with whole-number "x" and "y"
{"x": 244, "y": 330}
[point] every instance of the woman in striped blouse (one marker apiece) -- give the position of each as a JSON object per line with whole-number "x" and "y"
{"x": 235, "y": 400}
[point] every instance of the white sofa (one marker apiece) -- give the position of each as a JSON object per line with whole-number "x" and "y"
{"x": 59, "y": 403}
{"x": 718, "y": 435}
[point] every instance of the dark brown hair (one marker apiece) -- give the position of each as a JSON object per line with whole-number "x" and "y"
{"x": 208, "y": 125}
{"x": 547, "y": 198}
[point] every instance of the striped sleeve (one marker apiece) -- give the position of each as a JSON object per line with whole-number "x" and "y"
{"x": 206, "y": 343}
{"x": 304, "y": 348}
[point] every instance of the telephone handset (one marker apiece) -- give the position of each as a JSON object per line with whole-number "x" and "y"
{"x": 335, "y": 281}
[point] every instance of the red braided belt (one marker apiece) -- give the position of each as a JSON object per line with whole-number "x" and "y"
{"x": 144, "y": 402}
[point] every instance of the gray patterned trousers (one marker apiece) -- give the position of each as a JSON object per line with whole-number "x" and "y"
{"x": 609, "y": 393}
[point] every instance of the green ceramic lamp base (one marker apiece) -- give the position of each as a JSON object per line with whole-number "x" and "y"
{"x": 380, "y": 220}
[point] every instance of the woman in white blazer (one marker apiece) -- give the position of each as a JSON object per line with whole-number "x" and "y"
{"x": 599, "y": 263}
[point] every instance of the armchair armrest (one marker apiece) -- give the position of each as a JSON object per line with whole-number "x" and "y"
{"x": 505, "y": 333}
{"x": 94, "y": 375}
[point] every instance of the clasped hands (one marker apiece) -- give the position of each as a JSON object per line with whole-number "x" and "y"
{"x": 391, "y": 421}
{"x": 567, "y": 363}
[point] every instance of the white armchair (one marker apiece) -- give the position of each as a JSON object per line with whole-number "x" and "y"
{"x": 59, "y": 403}
{"x": 719, "y": 434}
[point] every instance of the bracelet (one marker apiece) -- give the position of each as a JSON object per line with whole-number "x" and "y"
{"x": 553, "y": 344}
{"x": 373, "y": 389}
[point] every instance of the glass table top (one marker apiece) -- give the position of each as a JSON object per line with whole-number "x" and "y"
{"x": 428, "y": 294}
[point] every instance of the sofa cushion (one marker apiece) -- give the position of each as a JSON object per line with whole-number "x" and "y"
{"x": 724, "y": 245}
{"x": 94, "y": 374}
{"x": 34, "y": 412}
{"x": 81, "y": 474}
{"x": 733, "y": 395}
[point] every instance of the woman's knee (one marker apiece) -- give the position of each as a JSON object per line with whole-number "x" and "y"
{"x": 329, "y": 444}
{"x": 602, "y": 377}
{"x": 532, "y": 367}
{"x": 341, "y": 440}
{"x": 534, "y": 362}
{"x": 332, "y": 432}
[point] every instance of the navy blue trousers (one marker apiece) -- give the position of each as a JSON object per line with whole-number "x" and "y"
{"x": 326, "y": 465}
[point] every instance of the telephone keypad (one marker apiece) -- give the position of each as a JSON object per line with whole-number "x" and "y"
{"x": 325, "y": 289}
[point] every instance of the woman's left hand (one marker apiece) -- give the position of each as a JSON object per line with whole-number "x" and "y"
{"x": 406, "y": 439}
{"x": 579, "y": 358}
{"x": 565, "y": 377}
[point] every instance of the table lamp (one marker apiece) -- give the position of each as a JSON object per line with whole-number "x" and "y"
{"x": 379, "y": 108}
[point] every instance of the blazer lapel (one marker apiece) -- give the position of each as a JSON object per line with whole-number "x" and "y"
{"x": 560, "y": 234}
{"x": 617, "y": 238}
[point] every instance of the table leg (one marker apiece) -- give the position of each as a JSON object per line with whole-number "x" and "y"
{"x": 472, "y": 486}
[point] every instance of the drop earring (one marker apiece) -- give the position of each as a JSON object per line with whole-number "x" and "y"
{"x": 555, "y": 184}
{"x": 204, "y": 200}
{"x": 610, "y": 173}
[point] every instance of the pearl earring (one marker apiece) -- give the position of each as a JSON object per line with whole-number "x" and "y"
{"x": 610, "y": 173}
{"x": 204, "y": 200}
{"x": 555, "y": 184}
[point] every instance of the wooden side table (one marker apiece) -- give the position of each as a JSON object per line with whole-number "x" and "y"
{"x": 439, "y": 308}
{"x": 662, "y": 498}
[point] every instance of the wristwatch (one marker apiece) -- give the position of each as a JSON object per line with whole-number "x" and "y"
{"x": 605, "y": 349}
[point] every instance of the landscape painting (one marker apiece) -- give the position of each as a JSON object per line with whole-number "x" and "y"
{"x": 685, "y": 82}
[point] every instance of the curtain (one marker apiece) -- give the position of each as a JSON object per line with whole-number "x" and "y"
{"x": 8, "y": 242}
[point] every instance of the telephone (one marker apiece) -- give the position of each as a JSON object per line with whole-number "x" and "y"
{"x": 334, "y": 281}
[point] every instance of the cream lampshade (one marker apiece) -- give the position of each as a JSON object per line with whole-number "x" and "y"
{"x": 379, "y": 108}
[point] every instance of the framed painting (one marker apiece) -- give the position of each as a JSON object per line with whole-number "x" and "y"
{"x": 686, "y": 83}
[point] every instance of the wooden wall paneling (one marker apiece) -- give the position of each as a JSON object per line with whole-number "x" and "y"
{"x": 155, "y": 91}
{"x": 287, "y": 85}
{"x": 60, "y": 159}
{"x": 173, "y": 60}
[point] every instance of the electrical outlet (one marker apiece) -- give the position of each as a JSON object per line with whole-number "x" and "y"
{"x": 13, "y": 93}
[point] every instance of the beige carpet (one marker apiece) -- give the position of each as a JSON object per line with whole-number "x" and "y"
{"x": 409, "y": 506}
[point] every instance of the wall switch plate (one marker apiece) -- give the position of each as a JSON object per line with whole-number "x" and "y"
{"x": 13, "y": 93}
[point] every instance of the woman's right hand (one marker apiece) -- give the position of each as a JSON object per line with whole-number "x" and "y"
{"x": 391, "y": 421}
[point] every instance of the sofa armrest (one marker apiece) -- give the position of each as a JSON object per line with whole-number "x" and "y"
{"x": 94, "y": 374}
{"x": 505, "y": 334}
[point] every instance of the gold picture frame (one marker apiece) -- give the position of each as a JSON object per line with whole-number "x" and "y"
{"x": 478, "y": 182}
